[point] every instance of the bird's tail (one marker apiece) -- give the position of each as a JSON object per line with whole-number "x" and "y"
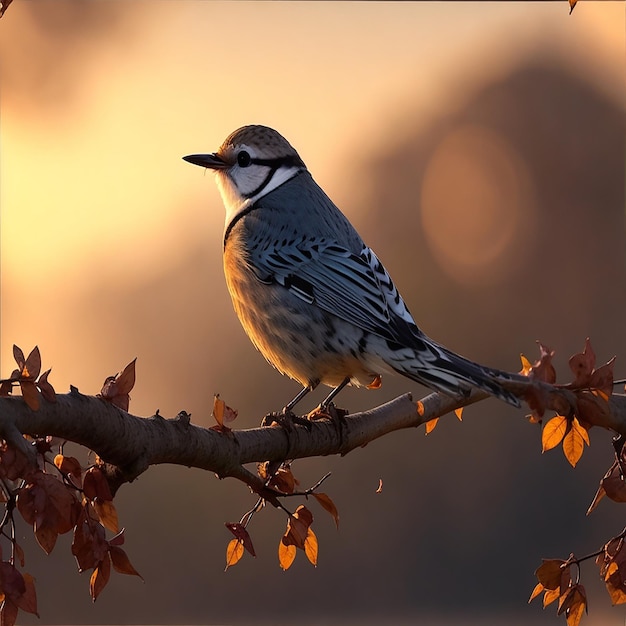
{"x": 437, "y": 367}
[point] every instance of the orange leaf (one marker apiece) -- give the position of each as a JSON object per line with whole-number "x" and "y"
{"x": 420, "y": 408}
{"x": 430, "y": 425}
{"x": 218, "y": 410}
{"x": 553, "y": 432}
{"x": 550, "y": 596}
{"x": 286, "y": 554}
{"x": 574, "y": 444}
{"x": 328, "y": 505}
{"x": 234, "y": 552}
{"x": 526, "y": 366}
{"x": 377, "y": 383}
{"x": 459, "y": 413}
{"x": 100, "y": 577}
{"x": 107, "y": 513}
{"x": 536, "y": 591}
{"x": 311, "y": 547}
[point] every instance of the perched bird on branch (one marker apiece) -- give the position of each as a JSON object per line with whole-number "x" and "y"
{"x": 312, "y": 297}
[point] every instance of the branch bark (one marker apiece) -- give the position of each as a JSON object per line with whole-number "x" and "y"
{"x": 130, "y": 444}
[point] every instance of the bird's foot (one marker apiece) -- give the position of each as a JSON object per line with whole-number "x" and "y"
{"x": 327, "y": 411}
{"x": 286, "y": 419}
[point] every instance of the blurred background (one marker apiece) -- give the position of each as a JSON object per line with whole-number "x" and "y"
{"x": 478, "y": 148}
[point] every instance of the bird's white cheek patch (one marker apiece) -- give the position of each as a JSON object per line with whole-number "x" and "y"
{"x": 233, "y": 201}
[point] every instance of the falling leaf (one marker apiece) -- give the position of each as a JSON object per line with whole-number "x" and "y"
{"x": 553, "y": 432}
{"x": 234, "y": 552}
{"x": 328, "y": 505}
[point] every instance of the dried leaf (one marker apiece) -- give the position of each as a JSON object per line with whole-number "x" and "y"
{"x": 107, "y": 513}
{"x": 218, "y": 410}
{"x": 286, "y": 554}
{"x": 95, "y": 485}
{"x": 8, "y": 613}
{"x": 242, "y": 535}
{"x": 379, "y": 489}
{"x": 430, "y": 425}
{"x": 234, "y": 552}
{"x": 30, "y": 394}
{"x": 574, "y": 443}
{"x": 69, "y": 466}
{"x": 550, "y": 572}
{"x": 328, "y": 505}
{"x": 539, "y": 588}
{"x": 602, "y": 379}
{"x": 32, "y": 366}
{"x": 574, "y": 605}
{"x": 377, "y": 383}
{"x": 527, "y": 366}
{"x": 19, "y": 357}
{"x": 46, "y": 536}
{"x": 311, "y": 547}
{"x": 283, "y": 480}
{"x": 28, "y": 600}
{"x": 553, "y": 432}
{"x": 100, "y": 578}
{"x": 550, "y": 596}
{"x": 582, "y": 365}
{"x": 121, "y": 562}
{"x": 47, "y": 390}
{"x": 543, "y": 369}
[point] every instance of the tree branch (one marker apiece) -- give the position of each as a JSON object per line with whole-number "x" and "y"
{"x": 130, "y": 444}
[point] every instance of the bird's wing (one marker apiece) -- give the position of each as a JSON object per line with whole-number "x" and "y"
{"x": 354, "y": 287}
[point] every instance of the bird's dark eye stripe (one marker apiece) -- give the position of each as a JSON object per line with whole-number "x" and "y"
{"x": 292, "y": 161}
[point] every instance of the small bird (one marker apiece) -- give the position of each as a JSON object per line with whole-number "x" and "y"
{"x": 313, "y": 298}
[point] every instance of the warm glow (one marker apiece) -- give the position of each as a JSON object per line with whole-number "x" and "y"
{"x": 476, "y": 204}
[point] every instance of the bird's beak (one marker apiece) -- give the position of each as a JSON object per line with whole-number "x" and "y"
{"x": 211, "y": 161}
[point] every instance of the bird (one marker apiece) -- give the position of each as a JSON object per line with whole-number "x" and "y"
{"x": 313, "y": 298}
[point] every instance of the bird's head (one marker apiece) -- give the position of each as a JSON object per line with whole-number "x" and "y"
{"x": 251, "y": 163}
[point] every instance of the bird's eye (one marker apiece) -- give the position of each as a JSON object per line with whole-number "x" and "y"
{"x": 243, "y": 159}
